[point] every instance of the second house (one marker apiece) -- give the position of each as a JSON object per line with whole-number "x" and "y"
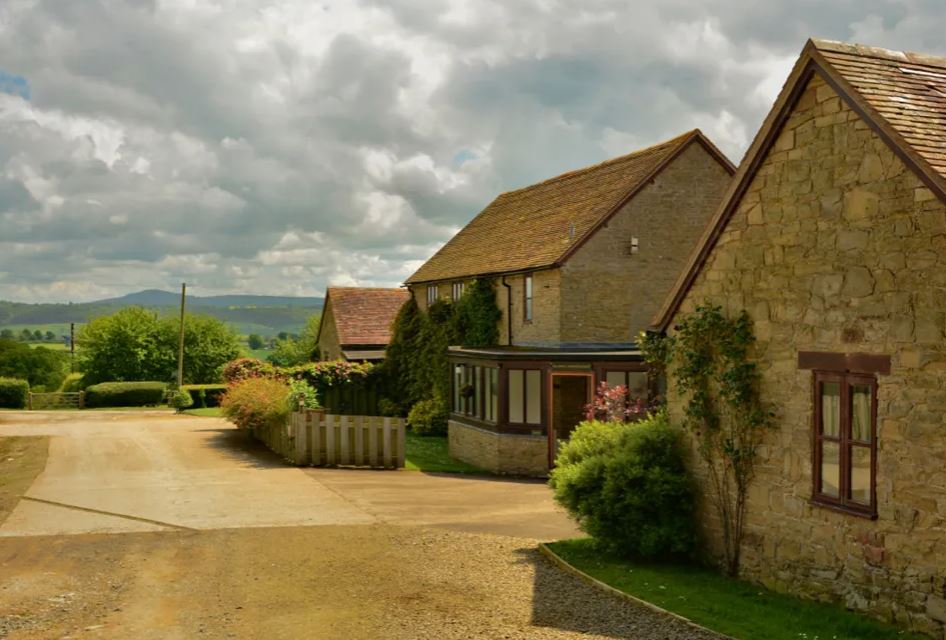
{"x": 581, "y": 262}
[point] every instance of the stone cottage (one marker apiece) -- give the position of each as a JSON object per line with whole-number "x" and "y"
{"x": 580, "y": 263}
{"x": 832, "y": 236}
{"x": 356, "y": 323}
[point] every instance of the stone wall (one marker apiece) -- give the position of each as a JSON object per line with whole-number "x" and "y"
{"x": 837, "y": 246}
{"x": 329, "y": 348}
{"x": 611, "y": 294}
{"x": 514, "y": 454}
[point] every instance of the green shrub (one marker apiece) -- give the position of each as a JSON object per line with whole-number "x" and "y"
{"x": 205, "y": 395}
{"x": 72, "y": 384}
{"x": 302, "y": 390}
{"x": 628, "y": 487}
{"x": 14, "y": 393}
{"x": 125, "y": 394}
{"x": 257, "y": 402}
{"x": 428, "y": 418}
{"x": 388, "y": 407}
{"x": 180, "y": 399}
{"x": 245, "y": 368}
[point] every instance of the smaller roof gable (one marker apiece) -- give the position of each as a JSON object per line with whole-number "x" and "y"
{"x": 901, "y": 96}
{"x": 363, "y": 316}
{"x": 539, "y": 226}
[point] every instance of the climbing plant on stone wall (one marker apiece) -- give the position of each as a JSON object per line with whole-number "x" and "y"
{"x": 476, "y": 322}
{"x": 707, "y": 362}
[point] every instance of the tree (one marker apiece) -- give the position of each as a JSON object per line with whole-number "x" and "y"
{"x": 38, "y": 335}
{"x": 401, "y": 356}
{"x": 26, "y": 335}
{"x": 134, "y": 345}
{"x": 254, "y": 341}
{"x": 50, "y": 336}
{"x": 208, "y": 345}
{"x": 290, "y": 350}
{"x": 39, "y": 366}
{"x": 124, "y": 347}
{"x": 6, "y": 334}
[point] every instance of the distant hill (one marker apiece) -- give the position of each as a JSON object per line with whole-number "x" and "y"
{"x": 266, "y": 315}
{"x": 159, "y": 298}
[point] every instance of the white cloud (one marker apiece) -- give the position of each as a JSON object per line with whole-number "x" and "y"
{"x": 249, "y": 146}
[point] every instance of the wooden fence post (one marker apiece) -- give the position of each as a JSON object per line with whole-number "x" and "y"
{"x": 82, "y": 399}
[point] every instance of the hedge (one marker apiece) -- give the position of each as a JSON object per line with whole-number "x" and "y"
{"x": 14, "y": 393}
{"x": 125, "y": 394}
{"x": 205, "y": 395}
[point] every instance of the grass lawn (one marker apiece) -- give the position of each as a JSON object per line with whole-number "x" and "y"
{"x": 429, "y": 453}
{"x": 732, "y": 607}
{"x": 206, "y": 412}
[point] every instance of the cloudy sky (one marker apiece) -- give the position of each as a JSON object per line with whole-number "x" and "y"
{"x": 277, "y": 147}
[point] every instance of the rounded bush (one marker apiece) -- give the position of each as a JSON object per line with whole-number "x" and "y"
{"x": 180, "y": 399}
{"x": 628, "y": 487}
{"x": 14, "y": 393}
{"x": 257, "y": 403}
{"x": 428, "y": 418}
{"x": 245, "y": 368}
{"x": 125, "y": 394}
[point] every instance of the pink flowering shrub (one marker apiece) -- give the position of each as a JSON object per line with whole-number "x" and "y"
{"x": 257, "y": 402}
{"x": 331, "y": 374}
{"x": 246, "y": 368}
{"x": 616, "y": 405}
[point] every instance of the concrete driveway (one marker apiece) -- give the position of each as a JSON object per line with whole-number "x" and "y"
{"x": 132, "y": 472}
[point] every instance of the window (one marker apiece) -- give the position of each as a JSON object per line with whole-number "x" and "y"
{"x": 458, "y": 288}
{"x": 431, "y": 294}
{"x": 845, "y": 423}
{"x": 527, "y": 308}
{"x": 491, "y": 394}
{"x": 525, "y": 396}
{"x": 634, "y": 381}
{"x": 476, "y": 392}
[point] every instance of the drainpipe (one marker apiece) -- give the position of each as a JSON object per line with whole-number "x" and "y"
{"x": 508, "y": 311}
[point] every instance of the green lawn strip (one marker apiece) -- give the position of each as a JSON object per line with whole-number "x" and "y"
{"x": 732, "y": 607}
{"x": 206, "y": 412}
{"x": 429, "y": 453}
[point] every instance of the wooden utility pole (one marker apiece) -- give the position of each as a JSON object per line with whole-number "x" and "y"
{"x": 72, "y": 347}
{"x": 180, "y": 343}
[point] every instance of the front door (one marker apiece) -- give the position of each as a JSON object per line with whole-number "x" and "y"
{"x": 571, "y": 393}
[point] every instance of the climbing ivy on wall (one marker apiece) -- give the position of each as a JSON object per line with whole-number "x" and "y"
{"x": 707, "y": 361}
{"x": 476, "y": 322}
{"x": 416, "y": 358}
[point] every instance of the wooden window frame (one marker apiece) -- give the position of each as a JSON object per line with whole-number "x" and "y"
{"x": 845, "y": 443}
{"x": 433, "y": 293}
{"x": 457, "y": 289}
{"x": 528, "y": 297}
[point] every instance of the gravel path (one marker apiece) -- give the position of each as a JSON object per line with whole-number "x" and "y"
{"x": 329, "y": 582}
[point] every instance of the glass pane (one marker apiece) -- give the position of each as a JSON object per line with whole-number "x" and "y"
{"x": 615, "y": 378}
{"x": 831, "y": 409}
{"x": 494, "y": 394}
{"x": 860, "y": 412}
{"x": 515, "y": 396}
{"x": 831, "y": 469}
{"x": 457, "y": 384}
{"x": 475, "y": 400}
{"x": 860, "y": 474}
{"x": 637, "y": 384}
{"x": 533, "y": 397}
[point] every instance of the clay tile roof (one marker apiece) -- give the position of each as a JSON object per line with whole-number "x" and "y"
{"x": 363, "y": 316}
{"x": 538, "y": 226}
{"x": 908, "y": 90}
{"x": 901, "y": 96}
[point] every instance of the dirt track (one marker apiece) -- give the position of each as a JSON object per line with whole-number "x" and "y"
{"x": 426, "y": 557}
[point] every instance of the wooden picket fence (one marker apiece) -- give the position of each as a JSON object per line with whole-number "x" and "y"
{"x": 323, "y": 439}
{"x": 56, "y": 400}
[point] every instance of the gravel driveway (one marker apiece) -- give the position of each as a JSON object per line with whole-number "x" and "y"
{"x": 407, "y": 556}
